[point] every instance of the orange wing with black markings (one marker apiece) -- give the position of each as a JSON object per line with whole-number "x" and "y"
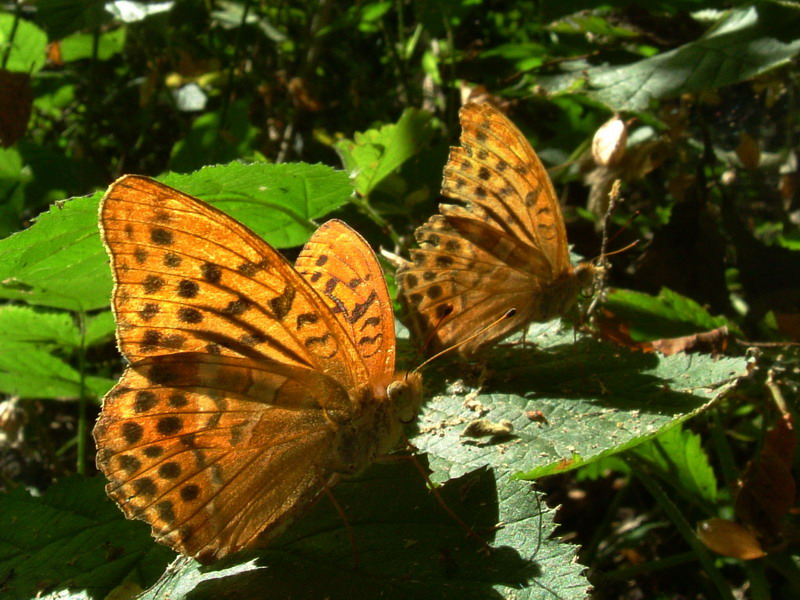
{"x": 250, "y": 383}
{"x": 502, "y": 250}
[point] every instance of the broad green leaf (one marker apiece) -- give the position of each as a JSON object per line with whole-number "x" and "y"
{"x": 212, "y": 142}
{"x": 679, "y": 456}
{"x": 598, "y": 400}
{"x": 81, "y": 45}
{"x": 746, "y": 42}
{"x": 23, "y": 324}
{"x": 407, "y": 547}
{"x": 32, "y": 372}
{"x": 279, "y": 202}
{"x": 99, "y": 328}
{"x": 376, "y": 153}
{"x": 667, "y": 315}
{"x": 97, "y": 387}
{"x": 60, "y": 262}
{"x": 72, "y": 538}
{"x": 28, "y": 46}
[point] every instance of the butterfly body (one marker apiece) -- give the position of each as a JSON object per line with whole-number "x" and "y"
{"x": 253, "y": 384}
{"x": 502, "y": 250}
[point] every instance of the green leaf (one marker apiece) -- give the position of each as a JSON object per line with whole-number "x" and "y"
{"x": 60, "y": 262}
{"x": 35, "y": 347}
{"x": 593, "y": 24}
{"x": 81, "y": 45}
{"x": 375, "y": 154}
{"x": 60, "y": 18}
{"x": 28, "y": 46}
{"x": 279, "y": 202}
{"x": 99, "y": 328}
{"x": 525, "y": 56}
{"x": 679, "y": 456}
{"x": 211, "y": 142}
{"x": 375, "y": 11}
{"x": 407, "y": 545}
{"x": 72, "y": 538}
{"x": 667, "y": 315}
{"x": 746, "y": 42}
{"x": 32, "y": 372}
{"x": 598, "y": 400}
{"x": 22, "y": 324}
{"x": 54, "y": 92}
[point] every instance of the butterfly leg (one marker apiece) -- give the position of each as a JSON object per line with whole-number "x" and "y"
{"x": 348, "y": 528}
{"x": 434, "y": 490}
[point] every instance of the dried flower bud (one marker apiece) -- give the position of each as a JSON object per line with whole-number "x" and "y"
{"x": 608, "y": 145}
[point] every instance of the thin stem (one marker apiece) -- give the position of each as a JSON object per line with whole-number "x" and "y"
{"x": 684, "y": 528}
{"x": 12, "y": 34}
{"x": 363, "y": 203}
{"x": 226, "y": 99}
{"x": 82, "y": 425}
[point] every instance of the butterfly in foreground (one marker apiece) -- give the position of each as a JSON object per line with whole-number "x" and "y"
{"x": 502, "y": 251}
{"x": 253, "y": 384}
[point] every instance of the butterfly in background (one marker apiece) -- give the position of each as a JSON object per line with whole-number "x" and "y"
{"x": 502, "y": 251}
{"x": 253, "y": 384}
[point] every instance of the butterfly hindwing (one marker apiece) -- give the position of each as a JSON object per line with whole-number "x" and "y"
{"x": 213, "y": 451}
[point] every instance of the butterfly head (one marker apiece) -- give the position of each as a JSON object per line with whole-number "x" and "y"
{"x": 405, "y": 394}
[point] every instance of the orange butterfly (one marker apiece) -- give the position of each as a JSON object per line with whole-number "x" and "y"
{"x": 505, "y": 248}
{"x": 253, "y": 385}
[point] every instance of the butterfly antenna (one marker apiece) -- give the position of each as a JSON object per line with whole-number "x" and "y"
{"x": 614, "y": 201}
{"x": 448, "y": 310}
{"x": 508, "y": 314}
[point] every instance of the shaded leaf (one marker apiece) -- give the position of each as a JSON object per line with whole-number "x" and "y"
{"x": 72, "y": 538}
{"x": 376, "y": 153}
{"x": 211, "y": 141}
{"x": 746, "y": 42}
{"x": 408, "y": 547}
{"x": 60, "y": 18}
{"x": 769, "y": 489}
{"x": 597, "y": 399}
{"x": 15, "y": 106}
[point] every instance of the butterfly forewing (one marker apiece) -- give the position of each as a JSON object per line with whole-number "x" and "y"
{"x": 351, "y": 283}
{"x": 188, "y": 278}
{"x": 503, "y": 251}
{"x": 496, "y": 170}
